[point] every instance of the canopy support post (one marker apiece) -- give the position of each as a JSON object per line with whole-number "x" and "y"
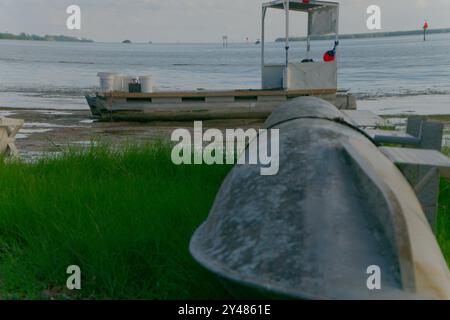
{"x": 308, "y": 47}
{"x": 337, "y": 29}
{"x": 286, "y": 7}
{"x": 308, "y": 37}
{"x": 263, "y": 39}
{"x": 263, "y": 35}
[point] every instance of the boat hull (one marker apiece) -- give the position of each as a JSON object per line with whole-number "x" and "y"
{"x": 191, "y": 106}
{"x": 336, "y": 208}
{"x": 92, "y": 102}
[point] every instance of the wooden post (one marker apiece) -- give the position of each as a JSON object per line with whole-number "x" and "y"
{"x": 8, "y": 130}
{"x": 425, "y": 28}
{"x": 225, "y": 41}
{"x": 431, "y": 135}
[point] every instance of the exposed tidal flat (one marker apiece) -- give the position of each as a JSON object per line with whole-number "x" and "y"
{"x": 52, "y": 131}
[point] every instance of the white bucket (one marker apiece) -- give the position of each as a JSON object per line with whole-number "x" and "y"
{"x": 107, "y": 81}
{"x": 118, "y": 83}
{"x": 146, "y": 83}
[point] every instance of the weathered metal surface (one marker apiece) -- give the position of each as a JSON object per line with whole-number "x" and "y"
{"x": 223, "y": 93}
{"x": 364, "y": 119}
{"x": 92, "y": 102}
{"x": 418, "y": 165}
{"x": 393, "y": 137}
{"x": 419, "y": 157}
{"x": 336, "y": 207}
{"x": 201, "y": 105}
{"x": 420, "y": 132}
{"x": 346, "y": 101}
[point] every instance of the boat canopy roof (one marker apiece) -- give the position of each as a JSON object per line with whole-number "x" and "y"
{"x": 323, "y": 19}
{"x": 300, "y": 5}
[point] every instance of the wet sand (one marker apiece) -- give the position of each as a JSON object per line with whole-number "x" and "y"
{"x": 50, "y": 131}
{"x": 433, "y": 104}
{"x": 54, "y": 130}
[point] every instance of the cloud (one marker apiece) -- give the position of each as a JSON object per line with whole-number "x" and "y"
{"x": 200, "y": 20}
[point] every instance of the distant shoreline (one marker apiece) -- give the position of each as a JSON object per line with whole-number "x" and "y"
{"x": 33, "y": 37}
{"x": 369, "y": 35}
{"x": 63, "y": 38}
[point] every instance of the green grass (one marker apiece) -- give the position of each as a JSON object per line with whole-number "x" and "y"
{"x": 443, "y": 223}
{"x": 125, "y": 217}
{"x": 445, "y": 117}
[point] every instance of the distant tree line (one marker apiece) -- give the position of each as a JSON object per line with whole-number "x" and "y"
{"x": 368, "y": 35}
{"x": 24, "y": 36}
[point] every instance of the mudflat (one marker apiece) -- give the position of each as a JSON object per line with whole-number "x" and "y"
{"x": 53, "y": 130}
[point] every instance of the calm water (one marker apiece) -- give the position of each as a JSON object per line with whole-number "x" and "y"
{"x": 388, "y": 74}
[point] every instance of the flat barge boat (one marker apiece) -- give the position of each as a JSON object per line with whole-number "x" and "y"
{"x": 279, "y": 82}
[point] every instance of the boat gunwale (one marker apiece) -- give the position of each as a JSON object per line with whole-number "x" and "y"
{"x": 225, "y": 93}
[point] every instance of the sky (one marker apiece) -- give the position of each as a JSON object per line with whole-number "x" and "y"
{"x": 201, "y": 20}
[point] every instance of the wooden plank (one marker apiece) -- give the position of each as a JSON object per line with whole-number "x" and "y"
{"x": 11, "y": 122}
{"x": 373, "y": 133}
{"x": 165, "y": 100}
{"x": 422, "y": 168}
{"x": 8, "y": 130}
{"x": 421, "y": 157}
{"x": 187, "y": 111}
{"x": 13, "y": 125}
{"x": 393, "y": 137}
{"x": 230, "y": 93}
{"x": 365, "y": 118}
{"x": 249, "y": 107}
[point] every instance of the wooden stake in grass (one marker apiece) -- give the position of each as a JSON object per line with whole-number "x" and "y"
{"x": 8, "y": 131}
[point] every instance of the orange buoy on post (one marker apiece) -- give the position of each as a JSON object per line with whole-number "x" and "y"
{"x": 425, "y": 28}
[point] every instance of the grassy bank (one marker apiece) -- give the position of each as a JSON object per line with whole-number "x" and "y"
{"x": 443, "y": 224}
{"x": 125, "y": 217}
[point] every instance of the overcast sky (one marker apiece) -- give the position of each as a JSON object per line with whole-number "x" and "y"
{"x": 201, "y": 20}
